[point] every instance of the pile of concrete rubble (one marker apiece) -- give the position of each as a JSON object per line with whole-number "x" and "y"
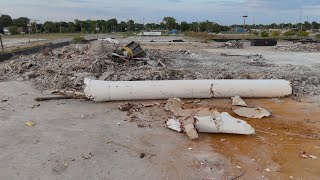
{"x": 196, "y": 116}
{"x": 233, "y": 45}
{"x": 299, "y": 47}
{"x": 66, "y": 68}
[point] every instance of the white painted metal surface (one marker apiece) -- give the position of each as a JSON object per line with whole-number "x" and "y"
{"x": 101, "y": 91}
{"x": 152, "y": 33}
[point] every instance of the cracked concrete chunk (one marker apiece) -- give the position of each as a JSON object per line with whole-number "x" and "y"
{"x": 256, "y": 113}
{"x": 174, "y": 124}
{"x": 224, "y": 123}
{"x": 238, "y": 101}
{"x": 175, "y": 106}
{"x": 191, "y": 131}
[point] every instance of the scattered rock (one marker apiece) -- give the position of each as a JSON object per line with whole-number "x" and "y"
{"x": 299, "y": 47}
{"x": 87, "y": 156}
{"x": 60, "y": 168}
{"x": 126, "y": 107}
{"x": 303, "y": 155}
{"x": 313, "y": 157}
{"x": 34, "y": 106}
{"x": 142, "y": 155}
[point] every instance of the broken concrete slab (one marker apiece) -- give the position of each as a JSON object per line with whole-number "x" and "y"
{"x": 256, "y": 113}
{"x": 233, "y": 45}
{"x": 238, "y": 101}
{"x": 186, "y": 126}
{"x": 224, "y": 123}
{"x": 191, "y": 131}
{"x": 203, "y": 112}
{"x": 175, "y": 106}
{"x": 174, "y": 124}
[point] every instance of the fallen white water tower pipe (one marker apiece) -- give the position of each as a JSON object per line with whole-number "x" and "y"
{"x": 101, "y": 91}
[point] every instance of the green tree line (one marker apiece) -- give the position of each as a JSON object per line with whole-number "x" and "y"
{"x": 24, "y": 24}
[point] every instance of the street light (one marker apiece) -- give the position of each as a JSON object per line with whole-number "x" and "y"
{"x": 244, "y": 22}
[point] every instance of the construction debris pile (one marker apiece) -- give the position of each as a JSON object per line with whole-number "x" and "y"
{"x": 203, "y": 119}
{"x": 66, "y": 68}
{"x": 300, "y": 47}
{"x": 197, "y": 116}
{"x": 305, "y": 79}
{"x": 233, "y": 45}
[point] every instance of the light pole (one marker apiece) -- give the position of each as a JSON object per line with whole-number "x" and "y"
{"x": 244, "y": 23}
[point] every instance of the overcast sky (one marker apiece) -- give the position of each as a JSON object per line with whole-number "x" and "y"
{"x": 221, "y": 11}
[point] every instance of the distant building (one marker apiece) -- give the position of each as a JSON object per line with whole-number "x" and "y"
{"x": 279, "y": 30}
{"x": 257, "y": 30}
{"x": 6, "y": 31}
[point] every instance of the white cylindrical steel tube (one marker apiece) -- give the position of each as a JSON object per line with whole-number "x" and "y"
{"x": 101, "y": 91}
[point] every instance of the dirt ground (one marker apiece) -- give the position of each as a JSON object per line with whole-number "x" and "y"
{"x": 80, "y": 139}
